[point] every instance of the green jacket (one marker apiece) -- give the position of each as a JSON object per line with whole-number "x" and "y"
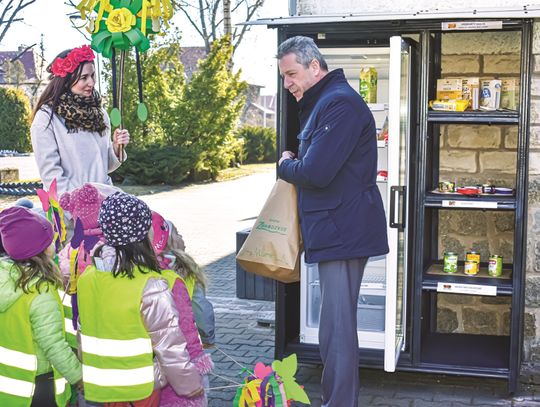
{"x": 47, "y": 322}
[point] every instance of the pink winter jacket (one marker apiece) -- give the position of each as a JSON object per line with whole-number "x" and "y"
{"x": 169, "y": 396}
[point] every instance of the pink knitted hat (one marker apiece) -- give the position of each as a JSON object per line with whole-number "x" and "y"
{"x": 83, "y": 203}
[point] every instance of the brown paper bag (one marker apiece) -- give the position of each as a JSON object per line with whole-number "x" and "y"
{"x": 272, "y": 248}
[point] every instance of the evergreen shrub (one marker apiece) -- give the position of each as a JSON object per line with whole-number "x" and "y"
{"x": 14, "y": 120}
{"x": 156, "y": 164}
{"x": 259, "y": 144}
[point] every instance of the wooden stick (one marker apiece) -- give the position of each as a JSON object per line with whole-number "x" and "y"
{"x": 120, "y": 94}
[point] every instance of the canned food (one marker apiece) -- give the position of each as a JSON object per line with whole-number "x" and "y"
{"x": 450, "y": 262}
{"x": 488, "y": 189}
{"x": 471, "y": 267}
{"x": 473, "y": 256}
{"x": 447, "y": 186}
{"x": 495, "y": 265}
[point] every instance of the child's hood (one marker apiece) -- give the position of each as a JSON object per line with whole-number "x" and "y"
{"x": 8, "y": 291}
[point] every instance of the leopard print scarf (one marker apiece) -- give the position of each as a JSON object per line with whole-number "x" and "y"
{"x": 81, "y": 112}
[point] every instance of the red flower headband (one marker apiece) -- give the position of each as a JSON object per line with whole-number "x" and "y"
{"x": 62, "y": 66}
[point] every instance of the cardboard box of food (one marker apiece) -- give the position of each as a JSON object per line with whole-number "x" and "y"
{"x": 490, "y": 96}
{"x": 449, "y": 88}
{"x": 471, "y": 91}
{"x": 510, "y": 93}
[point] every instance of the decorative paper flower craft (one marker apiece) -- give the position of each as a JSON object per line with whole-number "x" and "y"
{"x": 122, "y": 25}
{"x": 79, "y": 259}
{"x": 271, "y": 386}
{"x": 54, "y": 213}
{"x": 62, "y": 66}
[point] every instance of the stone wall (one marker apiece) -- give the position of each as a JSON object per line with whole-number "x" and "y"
{"x": 531, "y": 344}
{"x": 471, "y": 155}
{"x": 473, "y": 314}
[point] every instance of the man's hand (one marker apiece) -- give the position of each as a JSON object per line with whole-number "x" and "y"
{"x": 286, "y": 155}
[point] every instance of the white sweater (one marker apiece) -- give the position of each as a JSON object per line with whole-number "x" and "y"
{"x": 72, "y": 158}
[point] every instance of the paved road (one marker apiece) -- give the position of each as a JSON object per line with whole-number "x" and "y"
{"x": 209, "y": 216}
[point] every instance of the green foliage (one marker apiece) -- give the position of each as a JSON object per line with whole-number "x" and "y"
{"x": 195, "y": 120}
{"x": 163, "y": 83}
{"x": 206, "y": 117}
{"x": 259, "y": 144}
{"x": 155, "y": 164}
{"x": 14, "y": 120}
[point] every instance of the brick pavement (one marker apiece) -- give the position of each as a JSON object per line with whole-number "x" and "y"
{"x": 209, "y": 216}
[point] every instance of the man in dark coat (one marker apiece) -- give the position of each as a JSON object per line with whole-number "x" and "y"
{"x": 341, "y": 211}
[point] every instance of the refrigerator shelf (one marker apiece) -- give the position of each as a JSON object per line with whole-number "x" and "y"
{"x": 378, "y": 107}
{"x": 475, "y": 116}
{"x": 435, "y": 274}
{"x": 458, "y": 201}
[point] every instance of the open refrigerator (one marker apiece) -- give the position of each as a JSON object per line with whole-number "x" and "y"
{"x": 382, "y": 303}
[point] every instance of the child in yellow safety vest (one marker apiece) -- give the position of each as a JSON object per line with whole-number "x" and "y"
{"x": 190, "y": 299}
{"x": 131, "y": 341}
{"x": 37, "y": 365}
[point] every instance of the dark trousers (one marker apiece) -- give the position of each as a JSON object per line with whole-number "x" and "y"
{"x": 44, "y": 391}
{"x": 338, "y": 341}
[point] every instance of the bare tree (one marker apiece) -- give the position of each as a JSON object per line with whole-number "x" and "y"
{"x": 207, "y": 17}
{"x": 10, "y": 14}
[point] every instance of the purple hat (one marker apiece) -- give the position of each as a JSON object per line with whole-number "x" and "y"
{"x": 24, "y": 234}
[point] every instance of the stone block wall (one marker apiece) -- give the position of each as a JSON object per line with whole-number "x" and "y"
{"x": 471, "y": 155}
{"x": 473, "y": 314}
{"x": 531, "y": 345}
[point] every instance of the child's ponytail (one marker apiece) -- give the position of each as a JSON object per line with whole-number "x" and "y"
{"x": 36, "y": 271}
{"x": 187, "y": 267}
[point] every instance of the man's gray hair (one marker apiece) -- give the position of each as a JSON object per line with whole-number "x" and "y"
{"x": 305, "y": 50}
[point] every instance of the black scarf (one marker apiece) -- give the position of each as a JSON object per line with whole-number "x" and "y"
{"x": 81, "y": 112}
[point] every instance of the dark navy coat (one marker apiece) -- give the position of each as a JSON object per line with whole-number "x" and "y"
{"x": 340, "y": 207}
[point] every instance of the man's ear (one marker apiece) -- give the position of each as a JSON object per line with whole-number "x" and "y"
{"x": 315, "y": 67}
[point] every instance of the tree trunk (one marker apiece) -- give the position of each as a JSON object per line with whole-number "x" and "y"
{"x": 227, "y": 26}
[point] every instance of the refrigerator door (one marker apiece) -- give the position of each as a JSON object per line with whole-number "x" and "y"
{"x": 371, "y": 302}
{"x": 398, "y": 137}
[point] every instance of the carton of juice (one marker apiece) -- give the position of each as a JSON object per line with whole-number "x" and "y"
{"x": 510, "y": 93}
{"x": 449, "y": 89}
{"x": 471, "y": 91}
{"x": 490, "y": 97}
{"x": 368, "y": 84}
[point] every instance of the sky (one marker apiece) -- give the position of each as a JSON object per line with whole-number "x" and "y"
{"x": 255, "y": 56}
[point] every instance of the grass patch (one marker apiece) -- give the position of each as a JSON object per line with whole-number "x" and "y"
{"x": 246, "y": 169}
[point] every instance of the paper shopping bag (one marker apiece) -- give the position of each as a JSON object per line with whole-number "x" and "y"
{"x": 272, "y": 248}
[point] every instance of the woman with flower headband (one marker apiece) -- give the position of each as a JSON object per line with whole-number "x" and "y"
{"x": 71, "y": 132}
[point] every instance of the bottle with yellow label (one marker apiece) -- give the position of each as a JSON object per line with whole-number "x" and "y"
{"x": 368, "y": 84}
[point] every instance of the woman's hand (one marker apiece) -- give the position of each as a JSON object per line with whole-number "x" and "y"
{"x": 120, "y": 138}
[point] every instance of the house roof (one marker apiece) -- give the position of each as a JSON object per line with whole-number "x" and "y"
{"x": 27, "y": 59}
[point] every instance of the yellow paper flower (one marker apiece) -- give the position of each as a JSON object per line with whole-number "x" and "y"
{"x": 120, "y": 20}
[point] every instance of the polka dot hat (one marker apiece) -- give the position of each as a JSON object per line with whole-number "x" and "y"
{"x": 124, "y": 219}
